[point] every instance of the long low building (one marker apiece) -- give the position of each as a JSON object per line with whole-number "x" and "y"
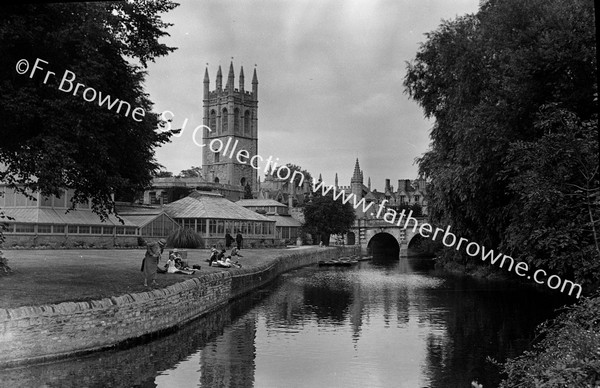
{"x": 33, "y": 220}
{"x": 287, "y": 227}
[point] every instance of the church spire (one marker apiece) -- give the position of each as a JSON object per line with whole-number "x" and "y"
{"x": 336, "y": 180}
{"x": 255, "y": 85}
{"x": 230, "y": 77}
{"x": 219, "y": 79}
{"x": 242, "y": 79}
{"x": 369, "y": 185}
{"x": 206, "y": 83}
{"x": 357, "y": 175}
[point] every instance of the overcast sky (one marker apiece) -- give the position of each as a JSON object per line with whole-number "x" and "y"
{"x": 330, "y": 78}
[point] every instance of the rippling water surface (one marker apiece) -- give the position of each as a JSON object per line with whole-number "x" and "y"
{"x": 379, "y": 324}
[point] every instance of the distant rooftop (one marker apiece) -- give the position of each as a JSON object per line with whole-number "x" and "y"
{"x": 201, "y": 204}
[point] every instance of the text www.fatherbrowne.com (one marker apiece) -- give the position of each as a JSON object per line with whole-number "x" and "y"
{"x": 473, "y": 249}
{"x": 450, "y": 240}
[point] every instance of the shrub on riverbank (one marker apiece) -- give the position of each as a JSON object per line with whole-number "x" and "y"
{"x": 4, "y": 268}
{"x": 568, "y": 356}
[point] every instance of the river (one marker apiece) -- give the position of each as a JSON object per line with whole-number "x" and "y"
{"x": 383, "y": 323}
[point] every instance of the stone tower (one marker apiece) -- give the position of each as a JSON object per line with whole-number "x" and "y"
{"x": 232, "y": 115}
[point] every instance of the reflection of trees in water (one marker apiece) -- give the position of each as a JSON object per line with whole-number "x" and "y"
{"x": 329, "y": 295}
{"x": 475, "y": 322}
{"x": 140, "y": 364}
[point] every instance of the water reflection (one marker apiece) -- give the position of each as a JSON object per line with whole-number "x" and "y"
{"x": 380, "y": 324}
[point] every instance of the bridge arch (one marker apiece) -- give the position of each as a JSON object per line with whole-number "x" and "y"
{"x": 383, "y": 244}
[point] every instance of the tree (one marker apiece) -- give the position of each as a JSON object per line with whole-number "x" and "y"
{"x": 52, "y": 138}
{"x": 485, "y": 78}
{"x": 163, "y": 174}
{"x": 324, "y": 216}
{"x": 297, "y": 178}
{"x": 248, "y": 192}
{"x": 192, "y": 172}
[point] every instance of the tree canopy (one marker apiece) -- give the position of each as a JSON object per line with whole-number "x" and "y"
{"x": 323, "y": 216}
{"x": 514, "y": 149}
{"x": 53, "y": 139}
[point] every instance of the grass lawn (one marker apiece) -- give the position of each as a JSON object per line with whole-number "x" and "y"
{"x": 52, "y": 276}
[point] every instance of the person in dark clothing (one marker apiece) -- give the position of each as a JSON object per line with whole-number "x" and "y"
{"x": 239, "y": 240}
{"x": 151, "y": 259}
{"x": 228, "y": 240}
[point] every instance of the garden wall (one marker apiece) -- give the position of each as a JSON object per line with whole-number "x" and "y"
{"x": 37, "y": 333}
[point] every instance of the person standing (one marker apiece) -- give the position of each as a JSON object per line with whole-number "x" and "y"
{"x": 228, "y": 240}
{"x": 239, "y": 240}
{"x": 151, "y": 259}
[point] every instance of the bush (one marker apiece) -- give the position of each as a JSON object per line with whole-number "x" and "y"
{"x": 185, "y": 238}
{"x": 568, "y": 356}
{"x": 4, "y": 268}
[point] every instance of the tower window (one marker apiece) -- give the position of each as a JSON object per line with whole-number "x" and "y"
{"x": 243, "y": 181}
{"x": 216, "y": 179}
{"x": 224, "y": 121}
{"x": 236, "y": 120}
{"x": 216, "y": 157}
{"x": 212, "y": 123}
{"x": 247, "y": 128}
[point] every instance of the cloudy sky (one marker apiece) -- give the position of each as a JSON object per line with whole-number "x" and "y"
{"x": 330, "y": 78}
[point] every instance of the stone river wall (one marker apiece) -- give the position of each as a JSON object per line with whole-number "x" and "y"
{"x": 39, "y": 333}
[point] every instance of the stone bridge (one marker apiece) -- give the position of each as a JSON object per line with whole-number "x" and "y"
{"x": 380, "y": 237}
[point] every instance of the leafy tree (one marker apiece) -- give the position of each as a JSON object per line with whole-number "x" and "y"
{"x": 52, "y": 139}
{"x": 485, "y": 78}
{"x": 248, "y": 192}
{"x": 324, "y": 216}
{"x": 163, "y": 174}
{"x": 297, "y": 178}
{"x": 192, "y": 172}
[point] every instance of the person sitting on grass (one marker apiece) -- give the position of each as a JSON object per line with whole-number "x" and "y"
{"x": 179, "y": 262}
{"x": 227, "y": 263}
{"x": 171, "y": 268}
{"x": 213, "y": 255}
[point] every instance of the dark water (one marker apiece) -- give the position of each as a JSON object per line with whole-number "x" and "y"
{"x": 378, "y": 324}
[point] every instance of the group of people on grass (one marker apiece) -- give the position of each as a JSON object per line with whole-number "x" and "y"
{"x": 176, "y": 264}
{"x": 221, "y": 259}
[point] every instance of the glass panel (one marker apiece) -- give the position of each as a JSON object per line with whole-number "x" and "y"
{"x": 20, "y": 199}
{"x": 9, "y": 198}
{"x": 59, "y": 202}
{"x": 107, "y": 230}
{"x": 46, "y": 201}
{"x": 60, "y": 229}
{"x": 220, "y": 227}
{"x": 72, "y": 228}
{"x": 24, "y": 228}
{"x": 84, "y": 229}
{"x": 212, "y": 227}
{"x": 120, "y": 230}
{"x": 44, "y": 228}
{"x": 130, "y": 230}
{"x": 96, "y": 229}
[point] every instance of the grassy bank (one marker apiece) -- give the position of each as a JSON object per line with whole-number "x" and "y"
{"x": 52, "y": 276}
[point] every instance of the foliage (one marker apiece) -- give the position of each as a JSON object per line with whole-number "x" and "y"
{"x": 4, "y": 268}
{"x": 297, "y": 178}
{"x": 192, "y": 172}
{"x": 324, "y": 216}
{"x": 185, "y": 238}
{"x": 499, "y": 83}
{"x": 53, "y": 139}
{"x": 248, "y": 192}
{"x": 568, "y": 356}
{"x": 163, "y": 174}
{"x": 555, "y": 179}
